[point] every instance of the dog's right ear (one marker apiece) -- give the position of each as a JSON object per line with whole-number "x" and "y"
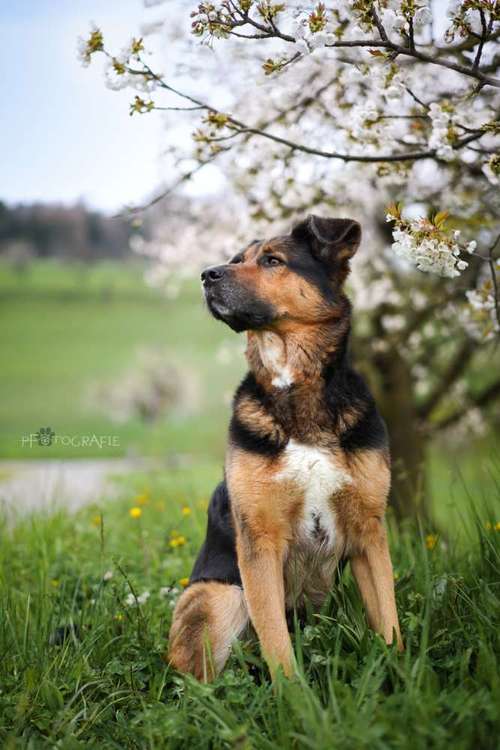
{"x": 332, "y": 241}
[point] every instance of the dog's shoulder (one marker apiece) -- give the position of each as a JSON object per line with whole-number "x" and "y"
{"x": 352, "y": 406}
{"x": 254, "y": 427}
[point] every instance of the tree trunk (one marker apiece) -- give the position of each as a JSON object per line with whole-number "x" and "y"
{"x": 397, "y": 405}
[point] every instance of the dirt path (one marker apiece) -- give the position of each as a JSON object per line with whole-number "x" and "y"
{"x": 38, "y": 485}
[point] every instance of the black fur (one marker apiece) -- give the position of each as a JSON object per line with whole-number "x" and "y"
{"x": 216, "y": 559}
{"x": 243, "y": 437}
{"x": 346, "y": 389}
{"x": 368, "y": 432}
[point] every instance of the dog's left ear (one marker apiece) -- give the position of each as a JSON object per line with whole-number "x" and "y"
{"x": 333, "y": 241}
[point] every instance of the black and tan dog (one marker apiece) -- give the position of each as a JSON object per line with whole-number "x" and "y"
{"x": 307, "y": 468}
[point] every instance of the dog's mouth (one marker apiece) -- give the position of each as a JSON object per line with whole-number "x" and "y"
{"x": 221, "y": 311}
{"x": 239, "y": 311}
{"x": 218, "y": 309}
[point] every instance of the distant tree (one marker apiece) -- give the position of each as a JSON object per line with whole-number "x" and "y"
{"x": 383, "y": 109}
{"x": 73, "y": 233}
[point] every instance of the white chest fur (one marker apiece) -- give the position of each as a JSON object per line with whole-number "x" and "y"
{"x": 273, "y": 355}
{"x": 314, "y": 471}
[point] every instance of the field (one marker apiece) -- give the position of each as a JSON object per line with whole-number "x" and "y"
{"x": 82, "y": 662}
{"x": 70, "y": 327}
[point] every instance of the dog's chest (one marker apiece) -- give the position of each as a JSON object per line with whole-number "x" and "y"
{"x": 317, "y": 476}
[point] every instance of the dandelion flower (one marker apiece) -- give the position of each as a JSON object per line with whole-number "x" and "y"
{"x": 431, "y": 541}
{"x": 135, "y": 512}
{"x": 497, "y": 526}
{"x": 184, "y": 582}
{"x": 186, "y": 511}
{"x": 178, "y": 541}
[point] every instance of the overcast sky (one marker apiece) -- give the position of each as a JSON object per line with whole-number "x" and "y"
{"x": 63, "y": 135}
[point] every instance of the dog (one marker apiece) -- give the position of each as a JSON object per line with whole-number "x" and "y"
{"x": 307, "y": 470}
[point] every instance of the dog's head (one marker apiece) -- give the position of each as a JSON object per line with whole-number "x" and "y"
{"x": 295, "y": 278}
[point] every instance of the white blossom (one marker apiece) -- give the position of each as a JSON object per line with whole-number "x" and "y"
{"x": 439, "y": 139}
{"x": 422, "y": 17}
{"x": 82, "y": 53}
{"x": 131, "y": 600}
{"x": 429, "y": 254}
{"x": 391, "y": 21}
{"x": 493, "y": 179}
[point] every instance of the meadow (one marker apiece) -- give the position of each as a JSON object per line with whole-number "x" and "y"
{"x": 86, "y": 602}
{"x": 72, "y": 326}
{"x": 86, "y": 598}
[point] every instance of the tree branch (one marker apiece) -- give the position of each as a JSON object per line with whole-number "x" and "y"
{"x": 489, "y": 394}
{"x": 243, "y": 128}
{"x": 448, "y": 377}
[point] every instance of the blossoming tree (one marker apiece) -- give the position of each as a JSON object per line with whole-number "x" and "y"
{"x": 386, "y": 110}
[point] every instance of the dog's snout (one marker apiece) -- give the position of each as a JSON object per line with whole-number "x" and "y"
{"x": 215, "y": 273}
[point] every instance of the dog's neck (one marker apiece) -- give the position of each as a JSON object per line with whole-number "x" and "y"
{"x": 299, "y": 355}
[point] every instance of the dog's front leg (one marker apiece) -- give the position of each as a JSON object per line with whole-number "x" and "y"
{"x": 260, "y": 560}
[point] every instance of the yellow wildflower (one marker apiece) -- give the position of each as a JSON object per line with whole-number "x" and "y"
{"x": 177, "y": 541}
{"x": 142, "y": 499}
{"x": 96, "y": 520}
{"x": 186, "y": 511}
{"x": 184, "y": 582}
{"x": 497, "y": 526}
{"x": 55, "y": 582}
{"x": 431, "y": 540}
{"x": 135, "y": 512}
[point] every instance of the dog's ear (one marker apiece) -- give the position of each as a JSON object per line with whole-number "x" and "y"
{"x": 332, "y": 241}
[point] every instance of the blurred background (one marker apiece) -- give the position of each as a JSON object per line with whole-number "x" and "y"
{"x": 114, "y": 367}
{"x": 101, "y": 368}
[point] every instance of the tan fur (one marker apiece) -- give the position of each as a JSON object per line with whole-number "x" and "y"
{"x": 295, "y": 300}
{"x": 207, "y": 619}
{"x": 252, "y": 414}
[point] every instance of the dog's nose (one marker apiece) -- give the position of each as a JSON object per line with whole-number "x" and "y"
{"x": 213, "y": 274}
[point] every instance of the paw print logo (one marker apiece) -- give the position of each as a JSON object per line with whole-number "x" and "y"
{"x": 44, "y": 436}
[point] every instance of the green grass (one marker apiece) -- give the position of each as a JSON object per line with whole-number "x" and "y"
{"x": 106, "y": 685}
{"x": 72, "y": 326}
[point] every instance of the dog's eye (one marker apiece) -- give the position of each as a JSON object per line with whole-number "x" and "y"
{"x": 272, "y": 260}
